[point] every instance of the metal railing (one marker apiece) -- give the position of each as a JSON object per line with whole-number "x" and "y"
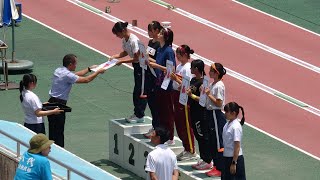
{"x": 69, "y": 168}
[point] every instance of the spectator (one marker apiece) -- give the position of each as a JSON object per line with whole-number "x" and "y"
{"x": 34, "y": 164}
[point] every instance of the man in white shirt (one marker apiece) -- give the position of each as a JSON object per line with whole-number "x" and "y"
{"x": 161, "y": 162}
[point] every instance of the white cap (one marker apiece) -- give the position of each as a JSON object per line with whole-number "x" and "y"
{"x": 166, "y": 24}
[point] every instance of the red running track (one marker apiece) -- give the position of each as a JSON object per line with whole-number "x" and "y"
{"x": 237, "y": 55}
{"x": 263, "y": 110}
{"x": 255, "y": 25}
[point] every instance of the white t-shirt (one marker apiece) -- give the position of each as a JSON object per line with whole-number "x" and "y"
{"x": 179, "y": 70}
{"x": 232, "y": 131}
{"x": 162, "y": 161}
{"x": 218, "y": 91}
{"x": 132, "y": 45}
{"x": 30, "y": 104}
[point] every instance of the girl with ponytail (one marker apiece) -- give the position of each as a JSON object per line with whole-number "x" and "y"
{"x": 32, "y": 106}
{"x": 181, "y": 112}
{"x": 215, "y": 118}
{"x": 199, "y": 125}
{"x": 134, "y": 48}
{"x": 234, "y": 167}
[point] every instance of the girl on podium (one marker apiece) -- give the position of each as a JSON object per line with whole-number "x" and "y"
{"x": 131, "y": 46}
{"x": 182, "y": 112}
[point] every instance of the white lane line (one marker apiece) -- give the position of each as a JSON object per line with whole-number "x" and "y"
{"x": 230, "y": 72}
{"x": 240, "y": 3}
{"x": 83, "y": 44}
{"x": 284, "y": 142}
{"x": 245, "y": 39}
{"x": 93, "y": 49}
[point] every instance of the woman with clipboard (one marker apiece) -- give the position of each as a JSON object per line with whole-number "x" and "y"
{"x": 32, "y": 106}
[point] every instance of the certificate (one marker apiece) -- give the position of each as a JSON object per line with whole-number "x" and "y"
{"x": 143, "y": 57}
{"x": 203, "y": 95}
{"x": 183, "y": 98}
{"x": 105, "y": 65}
{"x": 167, "y": 78}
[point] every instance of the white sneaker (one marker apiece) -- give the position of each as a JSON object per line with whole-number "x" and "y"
{"x": 187, "y": 156}
{"x": 134, "y": 119}
{"x": 170, "y": 142}
{"x": 200, "y": 161}
{"x": 204, "y": 166}
{"x": 181, "y": 154}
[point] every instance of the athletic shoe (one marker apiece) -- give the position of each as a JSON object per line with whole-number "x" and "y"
{"x": 214, "y": 172}
{"x": 170, "y": 142}
{"x": 134, "y": 119}
{"x": 181, "y": 154}
{"x": 185, "y": 156}
{"x": 204, "y": 166}
{"x": 200, "y": 161}
{"x": 149, "y": 133}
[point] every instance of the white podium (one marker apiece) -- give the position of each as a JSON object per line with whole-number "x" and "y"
{"x": 129, "y": 149}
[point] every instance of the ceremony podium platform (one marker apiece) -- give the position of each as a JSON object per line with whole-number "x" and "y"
{"x": 129, "y": 149}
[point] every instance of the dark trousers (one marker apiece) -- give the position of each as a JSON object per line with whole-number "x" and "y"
{"x": 216, "y": 156}
{"x": 152, "y": 101}
{"x": 201, "y": 131}
{"x": 240, "y": 169}
{"x": 56, "y": 124}
{"x": 37, "y": 128}
{"x": 181, "y": 120}
{"x": 139, "y": 103}
{"x": 165, "y": 109}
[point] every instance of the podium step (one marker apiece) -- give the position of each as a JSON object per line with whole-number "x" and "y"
{"x": 129, "y": 148}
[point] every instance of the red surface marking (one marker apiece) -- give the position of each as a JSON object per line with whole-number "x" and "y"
{"x": 264, "y": 111}
{"x": 246, "y": 59}
{"x": 262, "y": 28}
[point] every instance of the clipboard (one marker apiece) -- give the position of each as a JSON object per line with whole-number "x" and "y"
{"x": 51, "y": 106}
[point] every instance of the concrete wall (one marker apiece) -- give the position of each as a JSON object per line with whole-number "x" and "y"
{"x": 8, "y": 167}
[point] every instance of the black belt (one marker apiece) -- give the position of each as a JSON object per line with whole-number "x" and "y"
{"x": 53, "y": 99}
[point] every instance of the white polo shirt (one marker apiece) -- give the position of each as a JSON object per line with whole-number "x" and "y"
{"x": 218, "y": 91}
{"x": 132, "y": 45}
{"x": 232, "y": 131}
{"x": 62, "y": 81}
{"x": 30, "y": 104}
{"x": 179, "y": 70}
{"x": 161, "y": 161}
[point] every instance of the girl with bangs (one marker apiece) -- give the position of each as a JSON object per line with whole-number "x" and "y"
{"x": 215, "y": 118}
{"x": 154, "y": 29}
{"x": 182, "y": 112}
{"x": 234, "y": 168}
{"x": 197, "y": 112}
{"x": 164, "y": 98}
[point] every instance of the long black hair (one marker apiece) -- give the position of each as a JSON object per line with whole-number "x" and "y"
{"x": 119, "y": 27}
{"x": 199, "y": 64}
{"x": 167, "y": 36}
{"x": 24, "y": 83}
{"x": 154, "y": 25}
{"x": 234, "y": 107}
